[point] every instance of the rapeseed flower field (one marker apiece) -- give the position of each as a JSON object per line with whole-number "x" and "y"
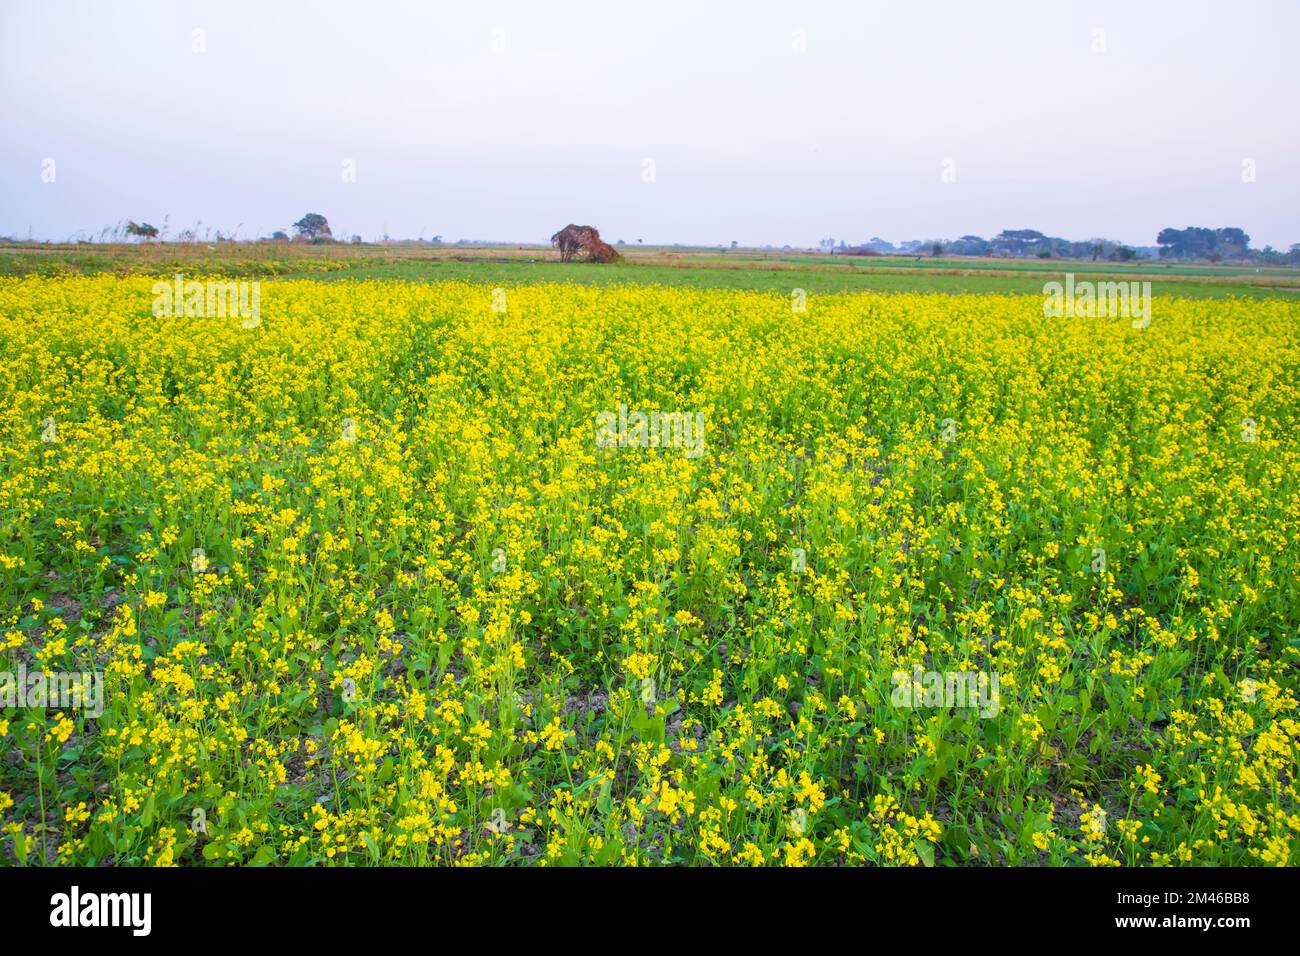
{"x": 442, "y": 574}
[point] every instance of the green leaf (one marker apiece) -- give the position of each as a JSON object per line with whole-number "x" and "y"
{"x": 925, "y": 850}
{"x": 265, "y": 855}
{"x": 146, "y": 816}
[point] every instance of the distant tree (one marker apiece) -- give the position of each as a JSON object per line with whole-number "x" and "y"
{"x": 936, "y": 249}
{"x": 1232, "y": 242}
{"x": 141, "y": 230}
{"x": 1198, "y": 242}
{"x": 1018, "y": 242}
{"x": 733, "y": 243}
{"x": 1124, "y": 254}
{"x": 1276, "y": 257}
{"x": 1172, "y": 242}
{"x": 968, "y": 246}
{"x": 1097, "y": 249}
{"x": 313, "y": 226}
{"x": 279, "y": 236}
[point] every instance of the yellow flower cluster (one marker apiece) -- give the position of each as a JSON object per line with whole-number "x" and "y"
{"x": 425, "y": 574}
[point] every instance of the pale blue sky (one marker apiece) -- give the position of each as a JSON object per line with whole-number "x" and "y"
{"x": 766, "y": 122}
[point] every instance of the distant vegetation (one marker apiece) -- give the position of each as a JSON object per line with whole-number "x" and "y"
{"x": 501, "y": 264}
{"x": 1229, "y": 244}
{"x": 1220, "y": 245}
{"x": 141, "y": 230}
{"x": 313, "y": 227}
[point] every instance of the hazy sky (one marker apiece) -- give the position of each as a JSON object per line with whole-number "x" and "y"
{"x": 765, "y": 122}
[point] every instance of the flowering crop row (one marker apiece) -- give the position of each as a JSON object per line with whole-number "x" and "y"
{"x": 442, "y": 574}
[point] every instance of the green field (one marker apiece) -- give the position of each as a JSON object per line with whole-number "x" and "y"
{"x": 642, "y": 265}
